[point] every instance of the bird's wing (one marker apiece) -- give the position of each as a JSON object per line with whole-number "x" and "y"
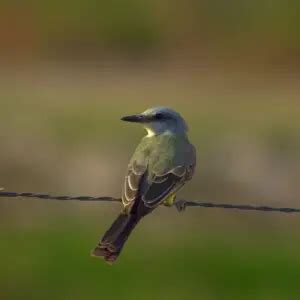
{"x": 151, "y": 188}
{"x": 158, "y": 187}
{"x": 153, "y": 177}
{"x": 133, "y": 179}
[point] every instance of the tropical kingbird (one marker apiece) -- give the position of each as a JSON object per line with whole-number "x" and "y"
{"x": 161, "y": 164}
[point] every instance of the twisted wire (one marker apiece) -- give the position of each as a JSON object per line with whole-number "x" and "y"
{"x": 179, "y": 204}
{"x": 63, "y": 198}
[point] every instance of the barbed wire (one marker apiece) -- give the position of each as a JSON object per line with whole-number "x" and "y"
{"x": 181, "y": 205}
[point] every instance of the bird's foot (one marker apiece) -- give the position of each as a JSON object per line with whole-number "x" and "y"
{"x": 180, "y": 205}
{"x": 170, "y": 201}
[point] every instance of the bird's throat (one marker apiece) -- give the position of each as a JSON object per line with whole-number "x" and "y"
{"x": 150, "y": 132}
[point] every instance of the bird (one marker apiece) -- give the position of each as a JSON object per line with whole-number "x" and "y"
{"x": 162, "y": 163}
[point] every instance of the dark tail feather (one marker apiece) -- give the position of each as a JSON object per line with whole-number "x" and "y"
{"x": 115, "y": 237}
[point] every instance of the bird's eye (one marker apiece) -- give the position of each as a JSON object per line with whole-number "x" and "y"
{"x": 159, "y": 116}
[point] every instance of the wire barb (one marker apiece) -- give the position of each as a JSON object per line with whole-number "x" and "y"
{"x": 179, "y": 204}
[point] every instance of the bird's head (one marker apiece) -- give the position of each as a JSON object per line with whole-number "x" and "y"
{"x": 158, "y": 120}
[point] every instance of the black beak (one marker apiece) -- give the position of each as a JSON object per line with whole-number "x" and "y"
{"x": 134, "y": 118}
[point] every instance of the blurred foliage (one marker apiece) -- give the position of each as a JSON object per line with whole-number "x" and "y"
{"x": 261, "y": 31}
{"x": 127, "y": 26}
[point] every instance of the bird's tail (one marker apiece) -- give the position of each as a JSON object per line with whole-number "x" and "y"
{"x": 115, "y": 237}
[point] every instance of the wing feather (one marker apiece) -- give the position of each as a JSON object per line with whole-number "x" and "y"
{"x": 131, "y": 187}
{"x": 152, "y": 188}
{"x": 157, "y": 191}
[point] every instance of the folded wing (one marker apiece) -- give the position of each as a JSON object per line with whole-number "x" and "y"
{"x": 150, "y": 187}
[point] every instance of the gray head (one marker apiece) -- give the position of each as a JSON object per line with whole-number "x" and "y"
{"x": 158, "y": 120}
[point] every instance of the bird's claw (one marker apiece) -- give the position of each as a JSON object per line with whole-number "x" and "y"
{"x": 180, "y": 205}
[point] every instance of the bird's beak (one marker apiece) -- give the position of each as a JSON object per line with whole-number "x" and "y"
{"x": 134, "y": 118}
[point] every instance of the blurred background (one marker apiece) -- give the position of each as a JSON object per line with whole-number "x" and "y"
{"x": 69, "y": 71}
